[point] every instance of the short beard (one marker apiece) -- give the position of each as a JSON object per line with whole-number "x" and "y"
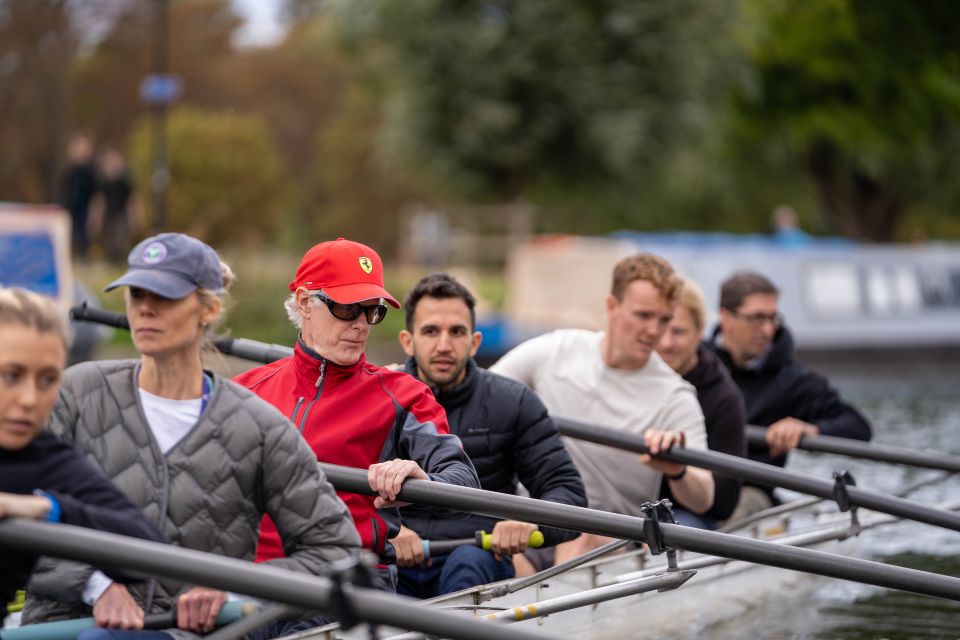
{"x": 425, "y": 377}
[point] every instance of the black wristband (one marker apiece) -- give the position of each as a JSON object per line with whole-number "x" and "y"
{"x": 678, "y": 476}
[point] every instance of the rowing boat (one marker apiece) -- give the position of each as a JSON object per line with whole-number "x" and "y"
{"x": 633, "y": 594}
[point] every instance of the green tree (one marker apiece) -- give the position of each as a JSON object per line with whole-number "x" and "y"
{"x": 37, "y": 43}
{"x": 228, "y": 182}
{"x": 862, "y": 95}
{"x": 497, "y": 100}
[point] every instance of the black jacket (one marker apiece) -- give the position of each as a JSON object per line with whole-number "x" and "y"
{"x": 783, "y": 388}
{"x": 508, "y": 435}
{"x": 86, "y": 497}
{"x": 724, "y": 417}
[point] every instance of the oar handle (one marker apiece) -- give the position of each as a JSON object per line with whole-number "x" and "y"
{"x": 69, "y": 629}
{"x": 482, "y": 539}
{"x": 486, "y": 540}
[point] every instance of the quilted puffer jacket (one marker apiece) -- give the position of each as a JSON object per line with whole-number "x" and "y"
{"x": 509, "y": 436}
{"x": 242, "y": 460}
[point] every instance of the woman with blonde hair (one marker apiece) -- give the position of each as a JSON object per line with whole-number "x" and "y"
{"x": 41, "y": 477}
{"x": 723, "y": 411}
{"x": 202, "y": 456}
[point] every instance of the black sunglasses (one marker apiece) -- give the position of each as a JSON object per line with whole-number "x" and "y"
{"x": 375, "y": 313}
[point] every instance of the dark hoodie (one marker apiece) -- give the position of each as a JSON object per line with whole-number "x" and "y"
{"x": 724, "y": 418}
{"x": 780, "y": 387}
{"x": 86, "y": 497}
{"x": 508, "y": 435}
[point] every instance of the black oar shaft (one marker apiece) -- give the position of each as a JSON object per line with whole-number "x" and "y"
{"x": 252, "y": 350}
{"x": 866, "y": 450}
{"x": 615, "y": 525}
{"x": 309, "y": 592}
{"x": 763, "y": 474}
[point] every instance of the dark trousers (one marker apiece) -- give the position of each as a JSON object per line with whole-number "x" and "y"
{"x": 466, "y": 567}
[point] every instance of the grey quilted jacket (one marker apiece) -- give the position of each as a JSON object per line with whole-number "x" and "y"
{"x": 209, "y": 492}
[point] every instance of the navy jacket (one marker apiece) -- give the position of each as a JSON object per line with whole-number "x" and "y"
{"x": 724, "y": 417}
{"x": 509, "y": 436}
{"x": 781, "y": 387}
{"x": 86, "y": 497}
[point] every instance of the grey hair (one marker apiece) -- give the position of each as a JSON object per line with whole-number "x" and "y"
{"x": 293, "y": 311}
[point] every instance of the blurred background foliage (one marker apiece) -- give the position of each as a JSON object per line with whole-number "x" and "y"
{"x": 595, "y": 114}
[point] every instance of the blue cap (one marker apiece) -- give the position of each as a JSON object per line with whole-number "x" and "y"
{"x": 172, "y": 265}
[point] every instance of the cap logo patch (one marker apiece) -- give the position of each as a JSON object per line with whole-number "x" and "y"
{"x": 154, "y": 253}
{"x": 366, "y": 264}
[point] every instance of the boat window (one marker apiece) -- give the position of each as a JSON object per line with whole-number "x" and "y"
{"x": 908, "y": 291}
{"x": 834, "y": 290}
{"x": 937, "y": 289}
{"x": 880, "y": 291}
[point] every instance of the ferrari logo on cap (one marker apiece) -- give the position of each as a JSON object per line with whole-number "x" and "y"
{"x": 366, "y": 264}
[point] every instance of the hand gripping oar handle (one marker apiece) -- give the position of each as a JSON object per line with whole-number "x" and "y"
{"x": 482, "y": 539}
{"x": 764, "y": 474}
{"x": 865, "y": 450}
{"x": 440, "y": 495}
{"x": 69, "y": 629}
{"x": 238, "y": 347}
{"x": 712, "y": 460}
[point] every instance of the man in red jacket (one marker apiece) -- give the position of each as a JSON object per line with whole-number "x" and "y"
{"x": 351, "y": 412}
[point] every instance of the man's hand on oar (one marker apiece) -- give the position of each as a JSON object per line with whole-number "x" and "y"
{"x": 408, "y": 547}
{"x": 510, "y": 537}
{"x": 784, "y": 435}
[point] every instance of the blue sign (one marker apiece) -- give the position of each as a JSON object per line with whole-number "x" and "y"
{"x": 28, "y": 260}
{"x": 160, "y": 89}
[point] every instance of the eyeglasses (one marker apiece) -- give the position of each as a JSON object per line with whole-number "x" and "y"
{"x": 760, "y": 319}
{"x": 375, "y": 313}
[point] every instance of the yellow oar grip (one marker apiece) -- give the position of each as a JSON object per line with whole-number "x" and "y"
{"x": 536, "y": 540}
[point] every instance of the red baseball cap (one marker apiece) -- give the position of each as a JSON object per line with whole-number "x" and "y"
{"x": 347, "y": 271}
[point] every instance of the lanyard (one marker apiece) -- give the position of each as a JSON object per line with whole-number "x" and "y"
{"x": 207, "y": 391}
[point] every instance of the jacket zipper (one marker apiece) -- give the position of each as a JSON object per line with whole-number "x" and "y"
{"x": 319, "y": 385}
{"x": 293, "y": 416}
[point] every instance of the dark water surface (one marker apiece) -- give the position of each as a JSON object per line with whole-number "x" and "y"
{"x": 910, "y": 406}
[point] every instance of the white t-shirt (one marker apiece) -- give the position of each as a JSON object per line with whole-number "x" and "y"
{"x": 567, "y": 371}
{"x": 169, "y": 420}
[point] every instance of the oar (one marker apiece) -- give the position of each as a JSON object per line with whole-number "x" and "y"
{"x": 252, "y": 350}
{"x": 334, "y": 596}
{"x": 552, "y": 514}
{"x": 866, "y": 450}
{"x": 482, "y": 539}
{"x": 68, "y": 629}
{"x": 714, "y": 461}
{"x": 763, "y": 474}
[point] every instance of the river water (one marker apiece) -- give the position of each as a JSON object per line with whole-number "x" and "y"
{"x": 911, "y": 406}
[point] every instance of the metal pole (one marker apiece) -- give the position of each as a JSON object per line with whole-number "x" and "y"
{"x": 309, "y": 592}
{"x": 160, "y": 173}
{"x": 552, "y": 514}
{"x": 522, "y": 583}
{"x": 714, "y": 461}
{"x": 762, "y": 474}
{"x": 665, "y": 582}
{"x": 866, "y": 450}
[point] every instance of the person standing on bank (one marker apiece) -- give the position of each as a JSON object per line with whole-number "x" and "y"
{"x": 723, "y": 411}
{"x": 201, "y": 455}
{"x": 781, "y": 394}
{"x": 505, "y": 430}
{"x": 351, "y": 412}
{"x": 41, "y": 477}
